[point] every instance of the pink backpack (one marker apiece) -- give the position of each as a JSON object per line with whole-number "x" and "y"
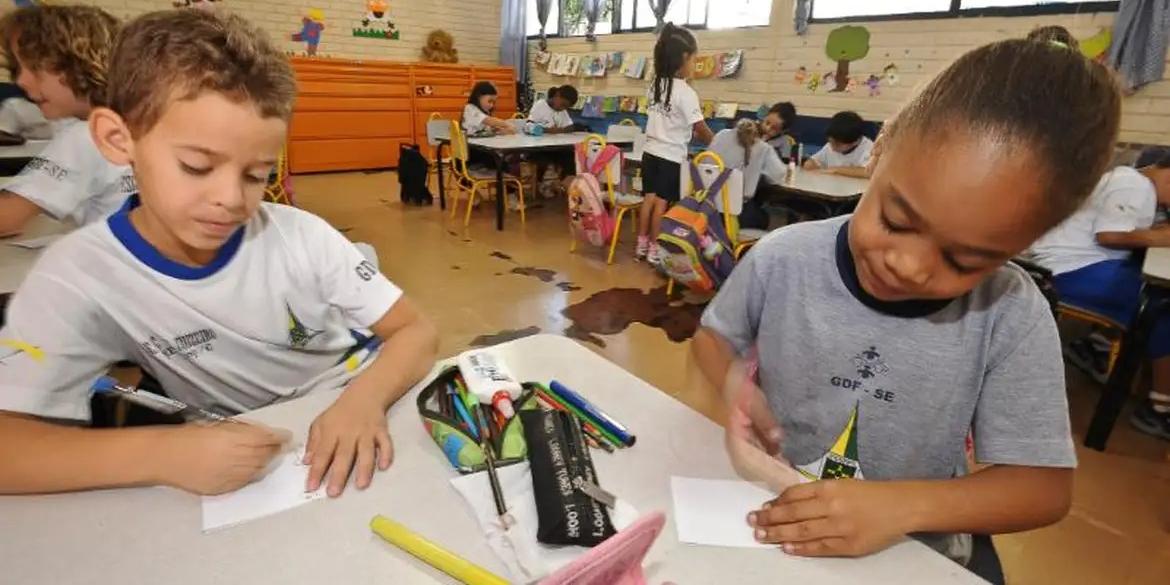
{"x": 589, "y": 212}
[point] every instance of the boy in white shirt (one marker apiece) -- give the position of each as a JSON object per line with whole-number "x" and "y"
{"x": 232, "y": 304}
{"x": 848, "y": 150}
{"x": 20, "y": 119}
{"x": 552, "y": 113}
{"x": 58, "y": 56}
{"x": 1091, "y": 254}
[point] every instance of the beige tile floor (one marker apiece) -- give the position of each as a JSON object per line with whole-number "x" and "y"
{"x": 1119, "y": 528}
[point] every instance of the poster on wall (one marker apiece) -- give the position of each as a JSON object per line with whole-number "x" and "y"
{"x": 376, "y": 24}
{"x": 845, "y": 45}
{"x": 312, "y": 25}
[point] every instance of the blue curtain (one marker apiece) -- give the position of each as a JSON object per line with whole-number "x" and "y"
{"x": 1139, "y": 42}
{"x": 659, "y": 8}
{"x": 592, "y": 11}
{"x": 801, "y": 16}
{"x": 513, "y": 37}
{"x": 543, "y": 7}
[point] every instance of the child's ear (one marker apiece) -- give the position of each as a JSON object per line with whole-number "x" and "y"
{"x": 112, "y": 136}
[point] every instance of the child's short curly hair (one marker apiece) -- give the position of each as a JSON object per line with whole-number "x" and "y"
{"x": 179, "y": 54}
{"x": 74, "y": 41}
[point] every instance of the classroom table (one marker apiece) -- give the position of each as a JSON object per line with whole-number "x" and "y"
{"x": 832, "y": 194}
{"x": 13, "y": 158}
{"x": 1155, "y": 300}
{"x": 501, "y": 146}
{"x": 15, "y": 262}
{"x": 152, "y": 535}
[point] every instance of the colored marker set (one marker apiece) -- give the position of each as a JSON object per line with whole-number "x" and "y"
{"x": 602, "y": 430}
{"x": 452, "y": 417}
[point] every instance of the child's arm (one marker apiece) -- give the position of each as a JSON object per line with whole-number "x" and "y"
{"x": 353, "y": 433}
{"x": 501, "y": 126}
{"x": 854, "y": 518}
{"x": 702, "y": 132}
{"x": 42, "y": 457}
{"x": 1155, "y": 237}
{"x": 15, "y": 213}
{"x": 818, "y": 160}
{"x": 858, "y": 172}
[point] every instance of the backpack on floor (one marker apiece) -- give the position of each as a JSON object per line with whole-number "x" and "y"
{"x": 589, "y": 213}
{"x": 694, "y": 246}
{"x": 412, "y": 175}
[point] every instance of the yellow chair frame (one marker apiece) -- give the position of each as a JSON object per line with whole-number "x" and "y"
{"x": 615, "y": 207}
{"x": 275, "y": 191}
{"x": 1086, "y": 316}
{"x": 627, "y": 122}
{"x": 463, "y": 181}
{"x": 730, "y": 222}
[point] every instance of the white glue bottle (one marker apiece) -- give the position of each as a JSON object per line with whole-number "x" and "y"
{"x": 488, "y": 378}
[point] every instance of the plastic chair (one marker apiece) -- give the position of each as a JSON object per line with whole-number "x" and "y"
{"x": 1064, "y": 311}
{"x": 279, "y": 189}
{"x": 622, "y": 133}
{"x": 464, "y": 178}
{"x": 438, "y": 129}
{"x": 627, "y": 122}
{"x": 620, "y": 203}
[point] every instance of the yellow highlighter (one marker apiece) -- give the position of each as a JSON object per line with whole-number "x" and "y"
{"x": 432, "y": 554}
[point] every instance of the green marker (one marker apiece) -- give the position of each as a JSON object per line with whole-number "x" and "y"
{"x": 544, "y": 391}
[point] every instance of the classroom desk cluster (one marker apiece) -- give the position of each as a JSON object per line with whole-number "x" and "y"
{"x": 153, "y": 535}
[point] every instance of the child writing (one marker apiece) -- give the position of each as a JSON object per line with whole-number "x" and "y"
{"x": 884, "y": 337}
{"x": 675, "y": 114}
{"x": 58, "y": 55}
{"x": 777, "y": 126}
{"x": 232, "y": 304}
{"x": 742, "y": 148}
{"x": 552, "y": 113}
{"x": 848, "y": 150}
{"x": 477, "y": 114}
{"x": 1091, "y": 256}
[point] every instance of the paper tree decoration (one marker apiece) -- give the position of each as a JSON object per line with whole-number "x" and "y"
{"x": 311, "y": 27}
{"x": 845, "y": 45}
{"x": 376, "y": 24}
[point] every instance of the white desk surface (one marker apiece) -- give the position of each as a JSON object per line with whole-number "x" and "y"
{"x": 1157, "y": 266}
{"x": 152, "y": 535}
{"x": 527, "y": 142}
{"x": 16, "y": 262}
{"x": 26, "y": 150}
{"x": 826, "y": 185}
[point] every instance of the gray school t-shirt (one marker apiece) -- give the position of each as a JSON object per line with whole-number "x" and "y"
{"x": 875, "y": 390}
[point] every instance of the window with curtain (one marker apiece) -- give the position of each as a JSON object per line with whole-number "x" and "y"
{"x": 852, "y": 9}
{"x": 635, "y": 15}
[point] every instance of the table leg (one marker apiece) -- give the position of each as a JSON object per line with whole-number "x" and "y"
{"x": 499, "y": 191}
{"x": 1117, "y": 388}
{"x": 439, "y": 173}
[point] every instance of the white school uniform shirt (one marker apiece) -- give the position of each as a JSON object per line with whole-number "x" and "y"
{"x": 473, "y": 119}
{"x": 858, "y": 157}
{"x": 21, "y": 117}
{"x": 668, "y": 128}
{"x": 764, "y": 163}
{"x": 284, "y": 308}
{"x": 1124, "y": 200}
{"x": 544, "y": 115}
{"x": 70, "y": 179}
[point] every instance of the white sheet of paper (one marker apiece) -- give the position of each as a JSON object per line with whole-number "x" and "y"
{"x": 280, "y": 490}
{"x": 35, "y": 243}
{"x": 713, "y": 512}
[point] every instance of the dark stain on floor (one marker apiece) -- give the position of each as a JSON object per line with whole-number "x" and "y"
{"x": 542, "y": 274}
{"x": 612, "y": 311}
{"x": 456, "y": 267}
{"x": 504, "y": 336}
{"x": 345, "y": 230}
{"x": 501, "y": 255}
{"x": 567, "y": 286}
{"x": 453, "y": 233}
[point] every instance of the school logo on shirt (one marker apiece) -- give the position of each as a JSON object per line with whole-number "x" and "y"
{"x": 47, "y": 167}
{"x": 299, "y": 335}
{"x": 127, "y": 185}
{"x": 870, "y": 363}
{"x": 868, "y": 368}
{"x": 188, "y": 346}
{"x": 842, "y": 459}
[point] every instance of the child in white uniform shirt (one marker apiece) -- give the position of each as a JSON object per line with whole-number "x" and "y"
{"x": 232, "y": 304}
{"x": 1091, "y": 254}
{"x": 552, "y": 113}
{"x": 848, "y": 150}
{"x": 58, "y": 56}
{"x": 477, "y": 114}
{"x": 674, "y": 115}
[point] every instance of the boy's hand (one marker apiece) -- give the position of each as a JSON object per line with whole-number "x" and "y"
{"x": 832, "y": 518}
{"x": 352, "y": 431}
{"x": 750, "y": 418}
{"x": 219, "y": 458}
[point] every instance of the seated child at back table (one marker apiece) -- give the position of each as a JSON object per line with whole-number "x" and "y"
{"x": 58, "y": 56}
{"x": 477, "y": 114}
{"x": 886, "y": 337}
{"x": 848, "y": 150}
{"x": 742, "y": 148}
{"x": 232, "y": 304}
{"x": 1091, "y": 254}
{"x": 552, "y": 113}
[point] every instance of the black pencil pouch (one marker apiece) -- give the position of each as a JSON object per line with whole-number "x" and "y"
{"x": 560, "y": 461}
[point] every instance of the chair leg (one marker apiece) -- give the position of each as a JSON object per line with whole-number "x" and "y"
{"x": 470, "y": 205}
{"x": 669, "y": 288}
{"x": 617, "y": 231}
{"x": 453, "y": 197}
{"x": 1114, "y": 352}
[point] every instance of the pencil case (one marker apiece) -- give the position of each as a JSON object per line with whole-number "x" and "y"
{"x": 462, "y": 449}
{"x": 560, "y": 460}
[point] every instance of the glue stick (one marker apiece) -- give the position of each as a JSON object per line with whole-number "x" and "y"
{"x": 488, "y": 379}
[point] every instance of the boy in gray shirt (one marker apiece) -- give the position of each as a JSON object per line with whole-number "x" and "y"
{"x": 886, "y": 338}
